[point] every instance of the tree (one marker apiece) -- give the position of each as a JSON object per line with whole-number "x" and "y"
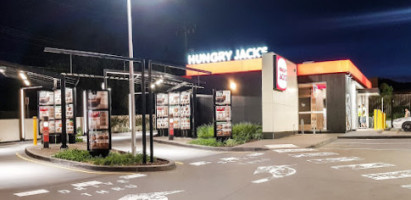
{"x": 386, "y": 92}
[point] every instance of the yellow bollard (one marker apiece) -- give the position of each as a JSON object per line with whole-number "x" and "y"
{"x": 375, "y": 119}
{"x": 384, "y": 121}
{"x": 380, "y": 126}
{"x": 35, "y": 130}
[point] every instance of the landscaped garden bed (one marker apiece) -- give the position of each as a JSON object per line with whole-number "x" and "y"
{"x": 242, "y": 133}
{"x": 113, "y": 159}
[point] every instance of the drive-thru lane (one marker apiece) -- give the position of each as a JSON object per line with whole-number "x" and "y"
{"x": 335, "y": 171}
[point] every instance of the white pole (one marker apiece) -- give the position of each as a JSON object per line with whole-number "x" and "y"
{"x": 131, "y": 78}
{"x": 22, "y": 136}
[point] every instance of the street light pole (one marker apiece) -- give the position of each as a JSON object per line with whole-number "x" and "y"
{"x": 131, "y": 78}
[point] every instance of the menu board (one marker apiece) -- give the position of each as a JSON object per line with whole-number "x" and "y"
{"x": 223, "y": 113}
{"x": 52, "y": 126}
{"x": 97, "y": 100}
{"x": 69, "y": 126}
{"x": 185, "y": 111}
{"x": 59, "y": 126}
{"x": 223, "y": 129}
{"x": 99, "y": 139}
{"x": 185, "y": 98}
{"x": 174, "y": 111}
{"x": 50, "y": 106}
{"x": 175, "y": 106}
{"x": 99, "y": 135}
{"x": 46, "y": 111}
{"x": 46, "y": 98}
{"x": 69, "y": 96}
{"x": 98, "y": 120}
{"x": 174, "y": 98}
{"x": 176, "y": 123}
{"x": 162, "y": 99}
{"x": 162, "y": 123}
{"x": 162, "y": 111}
{"x": 185, "y": 123}
{"x": 223, "y": 97}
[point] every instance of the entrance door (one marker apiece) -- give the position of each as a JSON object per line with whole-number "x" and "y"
{"x": 313, "y": 106}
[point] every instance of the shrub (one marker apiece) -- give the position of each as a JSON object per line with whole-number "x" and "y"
{"x": 245, "y": 132}
{"x": 74, "y": 154}
{"x": 112, "y": 159}
{"x": 242, "y": 133}
{"x": 205, "y": 131}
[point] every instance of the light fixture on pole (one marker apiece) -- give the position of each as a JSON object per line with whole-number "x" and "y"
{"x": 131, "y": 78}
{"x": 23, "y": 77}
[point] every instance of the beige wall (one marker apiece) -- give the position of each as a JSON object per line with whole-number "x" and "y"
{"x": 279, "y": 108}
{"x": 10, "y": 131}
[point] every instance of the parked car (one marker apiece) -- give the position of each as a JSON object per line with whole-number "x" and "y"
{"x": 403, "y": 123}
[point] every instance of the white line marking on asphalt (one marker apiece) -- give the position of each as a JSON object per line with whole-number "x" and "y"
{"x": 276, "y": 171}
{"x": 255, "y": 154}
{"x": 406, "y": 186}
{"x": 293, "y": 150}
{"x": 308, "y": 155}
{"x": 372, "y": 149}
{"x": 88, "y": 183}
{"x": 228, "y": 160}
{"x": 33, "y": 192}
{"x": 389, "y": 175}
{"x": 150, "y": 196}
{"x": 363, "y": 166}
{"x": 334, "y": 160}
{"x": 200, "y": 163}
{"x": 133, "y": 176}
{"x": 258, "y": 161}
{"x": 280, "y": 146}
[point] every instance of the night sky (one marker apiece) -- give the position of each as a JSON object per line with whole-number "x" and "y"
{"x": 375, "y": 34}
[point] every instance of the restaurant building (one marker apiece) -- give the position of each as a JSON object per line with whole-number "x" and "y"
{"x": 283, "y": 96}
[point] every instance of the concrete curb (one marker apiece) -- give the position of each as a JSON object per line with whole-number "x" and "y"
{"x": 149, "y": 168}
{"x": 375, "y": 137}
{"x": 212, "y": 148}
{"x": 322, "y": 143}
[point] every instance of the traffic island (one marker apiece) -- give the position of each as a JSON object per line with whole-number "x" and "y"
{"x": 116, "y": 161}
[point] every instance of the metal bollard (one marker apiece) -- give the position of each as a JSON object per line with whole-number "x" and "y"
{"x": 34, "y": 130}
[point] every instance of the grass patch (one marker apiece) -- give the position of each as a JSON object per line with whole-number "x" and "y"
{"x": 113, "y": 159}
{"x": 242, "y": 133}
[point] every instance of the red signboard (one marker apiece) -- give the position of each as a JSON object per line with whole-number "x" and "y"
{"x": 281, "y": 73}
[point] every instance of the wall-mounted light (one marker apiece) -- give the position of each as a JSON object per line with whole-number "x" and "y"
{"x": 153, "y": 86}
{"x": 233, "y": 85}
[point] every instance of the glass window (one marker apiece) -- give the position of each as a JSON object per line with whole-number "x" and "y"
{"x": 313, "y": 105}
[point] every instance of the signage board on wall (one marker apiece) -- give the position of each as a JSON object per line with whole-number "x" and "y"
{"x": 280, "y": 73}
{"x": 223, "y": 56}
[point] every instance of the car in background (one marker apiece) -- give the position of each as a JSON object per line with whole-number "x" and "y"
{"x": 403, "y": 123}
